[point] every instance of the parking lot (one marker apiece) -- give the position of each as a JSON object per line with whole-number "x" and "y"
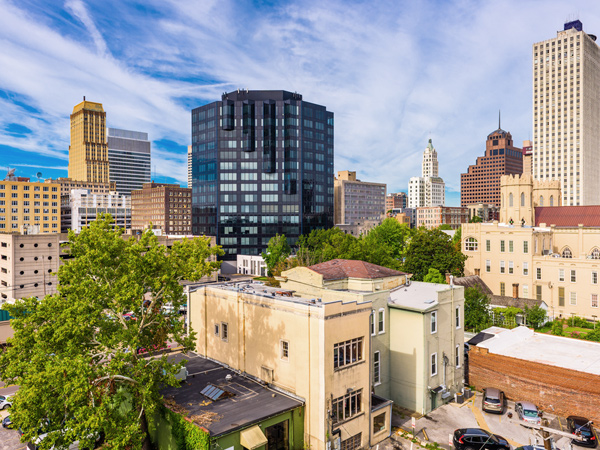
{"x": 441, "y": 423}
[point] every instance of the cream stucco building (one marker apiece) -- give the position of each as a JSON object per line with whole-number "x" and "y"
{"x": 546, "y": 251}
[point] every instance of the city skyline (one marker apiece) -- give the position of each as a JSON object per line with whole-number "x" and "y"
{"x": 391, "y": 82}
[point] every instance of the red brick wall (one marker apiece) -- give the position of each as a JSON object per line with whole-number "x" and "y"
{"x": 553, "y": 389}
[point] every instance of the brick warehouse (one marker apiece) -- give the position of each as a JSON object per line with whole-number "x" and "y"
{"x": 559, "y": 390}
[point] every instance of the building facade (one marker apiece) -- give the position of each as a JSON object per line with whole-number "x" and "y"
{"x": 428, "y": 189}
{"x": 167, "y": 207}
{"x": 189, "y": 166}
{"x": 487, "y": 213}
{"x": 262, "y": 164}
{"x": 435, "y": 216}
{"x": 566, "y": 104}
{"x": 67, "y": 185}
{"x": 129, "y": 159}
{"x": 357, "y": 201}
{"x": 550, "y": 252}
{"x": 481, "y": 183}
{"x": 396, "y": 200}
{"x": 82, "y": 207}
{"x": 527, "y": 157}
{"x": 28, "y": 205}
{"x": 88, "y": 152}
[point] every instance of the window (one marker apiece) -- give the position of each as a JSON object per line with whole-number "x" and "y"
{"x": 595, "y": 254}
{"x": 538, "y": 292}
{"x": 594, "y": 277}
{"x": 502, "y": 246}
{"x": 347, "y": 352}
{"x": 510, "y": 199}
{"x": 525, "y": 291}
{"x": 217, "y": 333}
{"x": 525, "y": 268}
{"x": 376, "y": 368}
{"x": 381, "y": 321}
{"x": 457, "y": 356}
{"x": 434, "y": 322}
{"x": 457, "y": 317}
{"x": 488, "y": 245}
{"x": 502, "y": 288}
{"x": 373, "y": 323}
{"x": 525, "y": 246}
{"x": 522, "y": 199}
{"x": 379, "y": 423}
{"x": 488, "y": 265}
{"x": 573, "y": 276}
{"x": 511, "y": 246}
{"x": 224, "y": 331}
{"x": 347, "y": 406}
{"x": 352, "y": 443}
{"x": 471, "y": 244}
{"x": 538, "y": 273}
{"x": 594, "y": 300}
{"x": 561, "y": 296}
{"x": 284, "y": 349}
{"x": 567, "y": 253}
{"x": 561, "y": 274}
{"x": 511, "y": 267}
{"x": 573, "y": 298}
{"x": 433, "y": 364}
{"x": 502, "y": 267}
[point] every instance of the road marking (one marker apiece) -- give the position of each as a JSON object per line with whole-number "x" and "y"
{"x": 560, "y": 424}
{"x": 483, "y": 424}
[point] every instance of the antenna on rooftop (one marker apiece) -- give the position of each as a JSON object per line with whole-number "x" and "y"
{"x": 499, "y": 127}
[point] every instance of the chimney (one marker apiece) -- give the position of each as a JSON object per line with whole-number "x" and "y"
{"x": 448, "y": 275}
{"x": 84, "y": 98}
{"x": 515, "y": 290}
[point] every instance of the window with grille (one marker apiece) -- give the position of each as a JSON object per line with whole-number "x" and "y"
{"x": 347, "y": 406}
{"x": 594, "y": 300}
{"x": 376, "y": 368}
{"x": 561, "y": 296}
{"x": 285, "y": 350}
{"x": 471, "y": 244}
{"x": 352, "y": 443}
{"x": 502, "y": 288}
{"x": 347, "y": 352}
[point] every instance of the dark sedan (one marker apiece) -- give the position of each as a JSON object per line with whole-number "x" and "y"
{"x": 478, "y": 439}
{"x": 580, "y": 426}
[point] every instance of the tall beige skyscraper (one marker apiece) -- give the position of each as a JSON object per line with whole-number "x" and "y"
{"x": 566, "y": 113}
{"x": 88, "y": 152}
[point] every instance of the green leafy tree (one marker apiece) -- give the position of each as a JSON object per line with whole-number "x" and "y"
{"x": 536, "y": 316}
{"x": 386, "y": 244}
{"x": 445, "y": 227}
{"x": 558, "y": 328}
{"x": 433, "y": 249}
{"x": 324, "y": 245}
{"x": 75, "y": 353}
{"x": 434, "y": 276}
{"x": 477, "y": 309}
{"x": 457, "y": 239}
{"x": 278, "y": 250}
{"x": 475, "y": 219}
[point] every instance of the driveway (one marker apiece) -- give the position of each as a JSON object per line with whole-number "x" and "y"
{"x": 439, "y": 425}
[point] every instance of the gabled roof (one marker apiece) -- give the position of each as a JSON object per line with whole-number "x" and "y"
{"x": 338, "y": 269}
{"x": 568, "y": 216}
{"x": 473, "y": 281}
{"x": 520, "y": 302}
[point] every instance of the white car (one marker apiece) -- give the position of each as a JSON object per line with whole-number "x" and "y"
{"x": 5, "y": 402}
{"x": 528, "y": 412}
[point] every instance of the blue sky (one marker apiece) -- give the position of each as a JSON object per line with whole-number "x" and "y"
{"x": 394, "y": 73}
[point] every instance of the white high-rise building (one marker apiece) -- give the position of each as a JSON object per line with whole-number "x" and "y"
{"x": 129, "y": 156}
{"x": 566, "y": 113}
{"x": 428, "y": 189}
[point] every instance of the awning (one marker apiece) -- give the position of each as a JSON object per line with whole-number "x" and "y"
{"x": 252, "y": 438}
{"x": 437, "y": 390}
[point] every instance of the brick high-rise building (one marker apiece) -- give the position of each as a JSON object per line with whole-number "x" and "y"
{"x": 167, "y": 206}
{"x": 481, "y": 183}
{"x": 396, "y": 200}
{"x": 566, "y": 110}
{"x": 88, "y": 152}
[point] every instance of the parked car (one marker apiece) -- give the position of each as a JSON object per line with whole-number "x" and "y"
{"x": 478, "y": 439}
{"x": 582, "y": 427}
{"x": 493, "y": 400}
{"x": 5, "y": 402}
{"x": 528, "y": 412}
{"x": 531, "y": 447}
{"x": 7, "y": 422}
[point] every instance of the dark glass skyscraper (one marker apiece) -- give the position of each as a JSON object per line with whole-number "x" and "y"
{"x": 262, "y": 163}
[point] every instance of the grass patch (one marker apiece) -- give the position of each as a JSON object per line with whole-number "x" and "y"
{"x": 260, "y": 279}
{"x": 577, "y": 329}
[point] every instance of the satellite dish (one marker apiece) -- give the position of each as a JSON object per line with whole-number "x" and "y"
{"x": 38, "y": 175}
{"x": 11, "y": 172}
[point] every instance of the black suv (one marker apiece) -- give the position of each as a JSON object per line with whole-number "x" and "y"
{"x": 582, "y": 427}
{"x": 478, "y": 439}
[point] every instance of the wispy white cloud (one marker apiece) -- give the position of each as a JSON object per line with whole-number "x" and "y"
{"x": 79, "y": 10}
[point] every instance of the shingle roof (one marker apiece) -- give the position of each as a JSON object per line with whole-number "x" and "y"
{"x": 568, "y": 216}
{"x": 473, "y": 281}
{"x": 338, "y": 269}
{"x": 506, "y": 300}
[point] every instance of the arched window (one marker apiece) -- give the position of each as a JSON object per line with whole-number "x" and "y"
{"x": 522, "y": 199}
{"x": 595, "y": 253}
{"x": 541, "y": 200}
{"x": 567, "y": 253}
{"x": 552, "y": 200}
{"x": 471, "y": 244}
{"x": 510, "y": 199}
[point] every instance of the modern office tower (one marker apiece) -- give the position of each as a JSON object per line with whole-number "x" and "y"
{"x": 481, "y": 183}
{"x": 428, "y": 189}
{"x": 88, "y": 153}
{"x": 262, "y": 163}
{"x": 395, "y": 201}
{"x": 566, "y": 112}
{"x": 28, "y": 206}
{"x": 168, "y": 207}
{"x": 189, "y": 167}
{"x": 82, "y": 207}
{"x": 357, "y": 201}
{"x": 128, "y": 159}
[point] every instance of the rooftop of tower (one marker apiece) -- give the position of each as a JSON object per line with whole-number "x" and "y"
{"x": 245, "y": 94}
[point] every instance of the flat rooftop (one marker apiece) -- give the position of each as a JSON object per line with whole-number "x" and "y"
{"x": 418, "y": 295}
{"x": 558, "y": 351}
{"x": 257, "y": 288}
{"x": 244, "y": 403}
